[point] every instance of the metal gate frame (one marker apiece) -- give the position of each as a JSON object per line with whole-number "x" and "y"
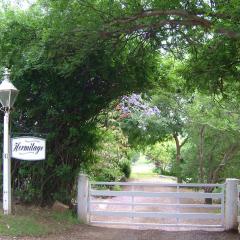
{"x": 94, "y": 193}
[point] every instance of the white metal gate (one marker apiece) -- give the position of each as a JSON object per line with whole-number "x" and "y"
{"x": 156, "y": 204}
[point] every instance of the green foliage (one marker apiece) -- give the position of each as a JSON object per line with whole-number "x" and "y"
{"x": 111, "y": 154}
{"x": 143, "y": 169}
{"x": 221, "y": 153}
{"x": 71, "y": 59}
{"x": 162, "y": 154}
{"x": 104, "y": 173}
{"x": 144, "y": 127}
{"x": 169, "y": 98}
{"x": 125, "y": 166}
{"x": 211, "y": 128}
{"x": 215, "y": 68}
{"x": 67, "y": 72}
{"x": 213, "y": 149}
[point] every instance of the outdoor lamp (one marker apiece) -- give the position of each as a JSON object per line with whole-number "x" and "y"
{"x": 8, "y": 95}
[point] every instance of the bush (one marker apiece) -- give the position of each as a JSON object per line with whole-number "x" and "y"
{"x": 107, "y": 174}
{"x": 125, "y": 167}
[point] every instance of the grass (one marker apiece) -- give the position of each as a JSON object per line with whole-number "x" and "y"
{"x": 142, "y": 169}
{"x": 66, "y": 217}
{"x": 21, "y": 226}
{"x": 35, "y": 222}
{"x": 139, "y": 175}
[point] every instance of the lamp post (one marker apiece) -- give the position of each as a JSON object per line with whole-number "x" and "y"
{"x": 8, "y": 95}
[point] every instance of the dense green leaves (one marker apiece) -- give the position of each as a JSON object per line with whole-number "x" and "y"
{"x": 215, "y": 67}
{"x": 70, "y": 59}
{"x": 66, "y": 74}
{"x": 213, "y": 147}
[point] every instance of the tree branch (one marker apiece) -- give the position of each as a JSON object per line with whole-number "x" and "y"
{"x": 183, "y": 142}
{"x": 158, "y": 13}
{"x": 186, "y": 18}
{"x": 161, "y": 23}
{"x": 233, "y": 149}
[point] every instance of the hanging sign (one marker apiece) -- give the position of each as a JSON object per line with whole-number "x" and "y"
{"x": 28, "y": 148}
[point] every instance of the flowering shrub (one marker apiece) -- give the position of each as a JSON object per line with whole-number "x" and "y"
{"x": 135, "y": 102}
{"x": 135, "y": 106}
{"x": 140, "y": 120}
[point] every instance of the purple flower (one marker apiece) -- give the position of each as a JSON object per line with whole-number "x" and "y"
{"x": 136, "y": 104}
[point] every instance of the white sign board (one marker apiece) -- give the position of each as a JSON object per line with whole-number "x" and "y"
{"x": 28, "y": 148}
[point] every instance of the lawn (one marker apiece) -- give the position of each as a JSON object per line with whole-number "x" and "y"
{"x": 34, "y": 221}
{"x": 142, "y": 169}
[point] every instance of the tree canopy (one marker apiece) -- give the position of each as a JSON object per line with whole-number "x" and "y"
{"x": 71, "y": 59}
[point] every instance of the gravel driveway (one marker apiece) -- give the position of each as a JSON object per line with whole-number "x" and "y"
{"x": 82, "y": 232}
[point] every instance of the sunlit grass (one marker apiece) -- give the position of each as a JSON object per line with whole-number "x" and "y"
{"x": 142, "y": 169}
{"x": 139, "y": 175}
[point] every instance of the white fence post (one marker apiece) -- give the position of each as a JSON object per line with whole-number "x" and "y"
{"x": 231, "y": 207}
{"x": 82, "y": 198}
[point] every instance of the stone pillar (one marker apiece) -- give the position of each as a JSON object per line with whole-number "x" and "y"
{"x": 82, "y": 199}
{"x": 231, "y": 204}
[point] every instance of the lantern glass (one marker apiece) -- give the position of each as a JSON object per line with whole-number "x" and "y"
{"x": 8, "y": 94}
{"x": 8, "y": 97}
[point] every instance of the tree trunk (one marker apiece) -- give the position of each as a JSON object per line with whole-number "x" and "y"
{"x": 208, "y": 200}
{"x": 201, "y": 155}
{"x": 214, "y": 176}
{"x": 178, "y": 157}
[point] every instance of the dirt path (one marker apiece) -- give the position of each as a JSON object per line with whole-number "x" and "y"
{"x": 97, "y": 233}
